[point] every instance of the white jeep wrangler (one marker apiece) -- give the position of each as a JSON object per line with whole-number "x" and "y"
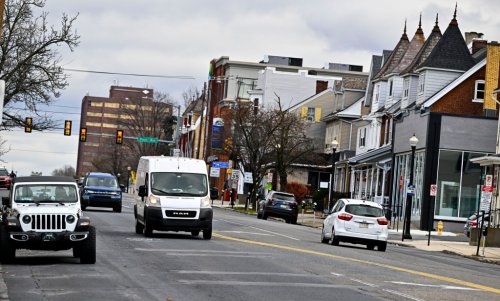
{"x": 44, "y": 213}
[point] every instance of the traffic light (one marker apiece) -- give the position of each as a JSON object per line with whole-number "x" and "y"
{"x": 119, "y": 137}
{"x": 28, "y": 124}
{"x": 83, "y": 134}
{"x": 67, "y": 128}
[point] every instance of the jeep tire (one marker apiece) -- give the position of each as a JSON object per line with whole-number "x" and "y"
{"x": 207, "y": 233}
{"x": 7, "y": 248}
{"x": 88, "y": 248}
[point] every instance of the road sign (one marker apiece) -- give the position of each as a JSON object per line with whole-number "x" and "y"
{"x": 434, "y": 189}
{"x": 214, "y": 172}
{"x": 220, "y": 164}
{"x": 248, "y": 177}
{"x": 410, "y": 190}
{"x": 147, "y": 139}
{"x": 488, "y": 180}
{"x": 484, "y": 205}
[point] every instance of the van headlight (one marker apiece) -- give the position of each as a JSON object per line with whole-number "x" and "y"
{"x": 153, "y": 201}
{"x": 205, "y": 202}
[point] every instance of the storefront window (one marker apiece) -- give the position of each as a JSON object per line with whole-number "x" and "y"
{"x": 459, "y": 182}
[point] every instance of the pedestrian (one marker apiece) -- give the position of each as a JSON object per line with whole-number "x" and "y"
{"x": 12, "y": 174}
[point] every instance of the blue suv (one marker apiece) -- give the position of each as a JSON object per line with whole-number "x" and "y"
{"x": 101, "y": 190}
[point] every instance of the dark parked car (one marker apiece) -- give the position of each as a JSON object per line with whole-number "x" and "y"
{"x": 101, "y": 190}
{"x": 473, "y": 222}
{"x": 278, "y": 204}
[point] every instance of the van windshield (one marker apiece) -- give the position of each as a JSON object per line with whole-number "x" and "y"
{"x": 179, "y": 184}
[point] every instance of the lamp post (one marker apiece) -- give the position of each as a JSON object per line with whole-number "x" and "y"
{"x": 128, "y": 176}
{"x": 409, "y": 194}
{"x": 334, "y": 144}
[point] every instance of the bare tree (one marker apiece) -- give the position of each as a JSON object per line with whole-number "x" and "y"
{"x": 148, "y": 118}
{"x": 191, "y": 94}
{"x": 29, "y": 61}
{"x": 66, "y": 170}
{"x": 289, "y": 140}
{"x": 253, "y": 135}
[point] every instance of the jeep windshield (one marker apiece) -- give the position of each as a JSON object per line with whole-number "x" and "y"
{"x": 107, "y": 182}
{"x": 179, "y": 184}
{"x": 45, "y": 193}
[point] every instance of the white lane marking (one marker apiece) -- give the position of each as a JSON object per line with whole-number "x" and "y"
{"x": 271, "y": 284}
{"x": 403, "y": 295}
{"x": 362, "y": 282}
{"x": 245, "y": 273}
{"x": 260, "y": 229}
{"x": 335, "y": 274}
{"x": 245, "y": 232}
{"x": 448, "y": 287}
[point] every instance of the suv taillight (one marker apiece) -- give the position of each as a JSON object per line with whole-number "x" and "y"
{"x": 345, "y": 216}
{"x": 382, "y": 221}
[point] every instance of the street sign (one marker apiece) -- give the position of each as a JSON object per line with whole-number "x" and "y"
{"x": 434, "y": 189}
{"x": 147, "y": 139}
{"x": 220, "y": 164}
{"x": 410, "y": 190}
{"x": 488, "y": 181}
{"x": 248, "y": 177}
{"x": 485, "y": 201}
{"x": 214, "y": 172}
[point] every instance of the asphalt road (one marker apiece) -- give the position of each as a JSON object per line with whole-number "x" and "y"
{"x": 247, "y": 259}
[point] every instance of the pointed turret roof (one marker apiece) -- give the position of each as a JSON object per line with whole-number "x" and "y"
{"x": 396, "y": 56}
{"x": 426, "y": 49}
{"x": 450, "y": 52}
{"x": 416, "y": 44}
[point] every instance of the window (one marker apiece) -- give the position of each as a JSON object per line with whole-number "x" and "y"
{"x": 92, "y": 114}
{"x": 245, "y": 85}
{"x": 109, "y": 115}
{"x": 390, "y": 87}
{"x": 111, "y": 105}
{"x": 362, "y": 137}
{"x": 421, "y": 83}
{"x": 376, "y": 93}
{"x": 479, "y": 91}
{"x": 310, "y": 114}
{"x": 406, "y": 87}
{"x": 95, "y": 104}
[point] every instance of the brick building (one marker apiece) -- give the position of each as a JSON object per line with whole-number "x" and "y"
{"x": 102, "y": 117}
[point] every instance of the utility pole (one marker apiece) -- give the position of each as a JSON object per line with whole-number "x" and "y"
{"x": 178, "y": 127}
{"x": 200, "y": 130}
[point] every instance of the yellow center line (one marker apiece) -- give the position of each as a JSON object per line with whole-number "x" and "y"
{"x": 387, "y": 266}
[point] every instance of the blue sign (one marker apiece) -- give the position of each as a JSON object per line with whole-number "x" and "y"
{"x": 220, "y": 164}
{"x": 410, "y": 191}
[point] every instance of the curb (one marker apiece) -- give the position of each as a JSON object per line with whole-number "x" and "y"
{"x": 473, "y": 257}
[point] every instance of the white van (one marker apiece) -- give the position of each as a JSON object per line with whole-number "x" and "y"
{"x": 173, "y": 195}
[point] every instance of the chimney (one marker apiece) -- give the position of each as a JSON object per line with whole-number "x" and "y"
{"x": 471, "y": 35}
{"x": 491, "y": 78}
{"x": 478, "y": 45}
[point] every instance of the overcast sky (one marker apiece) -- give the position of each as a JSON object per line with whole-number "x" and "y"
{"x": 180, "y": 37}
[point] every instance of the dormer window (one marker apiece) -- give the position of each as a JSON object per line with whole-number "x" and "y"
{"x": 390, "y": 87}
{"x": 421, "y": 82}
{"x": 362, "y": 137}
{"x": 406, "y": 88}
{"x": 376, "y": 93}
{"x": 479, "y": 91}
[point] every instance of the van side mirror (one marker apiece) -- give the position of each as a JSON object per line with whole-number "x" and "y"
{"x": 5, "y": 201}
{"x": 143, "y": 191}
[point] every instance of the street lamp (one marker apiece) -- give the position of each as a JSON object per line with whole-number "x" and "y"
{"x": 128, "y": 176}
{"x": 334, "y": 144}
{"x": 411, "y": 190}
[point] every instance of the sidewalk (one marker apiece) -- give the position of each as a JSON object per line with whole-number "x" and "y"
{"x": 447, "y": 242}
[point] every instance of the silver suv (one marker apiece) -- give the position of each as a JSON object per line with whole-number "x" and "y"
{"x": 44, "y": 213}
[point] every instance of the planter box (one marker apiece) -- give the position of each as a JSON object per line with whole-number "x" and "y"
{"x": 492, "y": 240}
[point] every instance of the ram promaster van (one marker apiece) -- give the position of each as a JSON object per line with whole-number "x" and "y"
{"x": 173, "y": 195}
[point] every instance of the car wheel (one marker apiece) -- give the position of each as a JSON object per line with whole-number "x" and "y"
{"x": 370, "y": 246}
{"x": 7, "y": 248}
{"x": 118, "y": 208}
{"x": 324, "y": 240}
{"x": 288, "y": 220}
{"x": 195, "y": 233}
{"x": 207, "y": 233}
{"x": 84, "y": 208}
{"x": 139, "y": 228}
{"x": 88, "y": 248}
{"x": 334, "y": 240}
{"x": 294, "y": 220}
{"x": 259, "y": 214}
{"x": 148, "y": 230}
{"x": 264, "y": 215}
{"x": 382, "y": 246}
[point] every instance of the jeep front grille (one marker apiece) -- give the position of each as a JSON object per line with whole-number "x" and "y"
{"x": 48, "y": 221}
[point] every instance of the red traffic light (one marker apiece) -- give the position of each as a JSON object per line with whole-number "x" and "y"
{"x": 119, "y": 137}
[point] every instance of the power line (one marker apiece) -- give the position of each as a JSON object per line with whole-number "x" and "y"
{"x": 132, "y": 74}
{"x": 39, "y": 151}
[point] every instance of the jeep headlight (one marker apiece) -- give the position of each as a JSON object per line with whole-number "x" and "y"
{"x": 205, "y": 202}
{"x": 70, "y": 219}
{"x": 153, "y": 201}
{"x": 26, "y": 219}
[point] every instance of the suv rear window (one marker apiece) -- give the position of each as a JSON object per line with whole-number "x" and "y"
{"x": 364, "y": 210}
{"x": 284, "y": 197}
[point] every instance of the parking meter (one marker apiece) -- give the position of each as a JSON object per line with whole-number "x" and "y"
{"x": 315, "y": 206}
{"x": 303, "y": 204}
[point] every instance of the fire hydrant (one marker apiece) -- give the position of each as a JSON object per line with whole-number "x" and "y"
{"x": 440, "y": 227}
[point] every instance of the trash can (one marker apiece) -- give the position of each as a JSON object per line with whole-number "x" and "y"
{"x": 214, "y": 193}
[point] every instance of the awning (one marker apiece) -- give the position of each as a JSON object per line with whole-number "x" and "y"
{"x": 375, "y": 155}
{"x": 486, "y": 160}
